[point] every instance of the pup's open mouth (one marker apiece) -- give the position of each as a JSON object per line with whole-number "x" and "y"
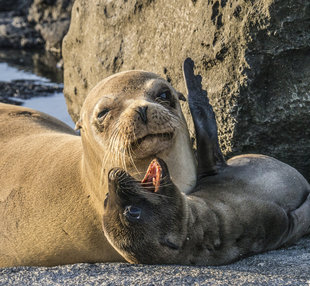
{"x": 154, "y": 174}
{"x": 161, "y": 136}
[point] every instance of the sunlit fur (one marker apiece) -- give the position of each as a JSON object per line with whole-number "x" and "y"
{"x": 111, "y": 140}
{"x": 53, "y": 182}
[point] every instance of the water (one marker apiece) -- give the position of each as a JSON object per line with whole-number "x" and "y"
{"x": 54, "y": 105}
{"x": 19, "y": 68}
{"x": 8, "y": 73}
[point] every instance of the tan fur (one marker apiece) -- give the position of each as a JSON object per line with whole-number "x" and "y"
{"x": 53, "y": 183}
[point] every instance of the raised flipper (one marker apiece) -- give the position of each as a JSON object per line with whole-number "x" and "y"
{"x": 209, "y": 155}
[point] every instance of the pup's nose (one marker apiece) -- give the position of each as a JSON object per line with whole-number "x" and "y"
{"x": 142, "y": 113}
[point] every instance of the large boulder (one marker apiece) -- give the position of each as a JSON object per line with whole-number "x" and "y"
{"x": 254, "y": 57}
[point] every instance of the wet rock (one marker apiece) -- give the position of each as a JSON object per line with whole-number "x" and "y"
{"x": 34, "y": 23}
{"x": 51, "y": 19}
{"x": 11, "y": 91}
{"x": 254, "y": 57}
{"x": 16, "y": 32}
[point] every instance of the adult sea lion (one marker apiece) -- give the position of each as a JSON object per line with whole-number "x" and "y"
{"x": 251, "y": 204}
{"x": 53, "y": 183}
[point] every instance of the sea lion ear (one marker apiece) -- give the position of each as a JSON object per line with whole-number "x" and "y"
{"x": 78, "y": 125}
{"x": 181, "y": 96}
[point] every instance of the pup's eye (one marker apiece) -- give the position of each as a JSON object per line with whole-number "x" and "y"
{"x": 103, "y": 113}
{"x": 132, "y": 213}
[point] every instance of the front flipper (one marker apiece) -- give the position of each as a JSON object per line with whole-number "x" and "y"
{"x": 209, "y": 155}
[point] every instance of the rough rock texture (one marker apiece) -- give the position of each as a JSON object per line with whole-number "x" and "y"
{"x": 254, "y": 57}
{"x": 51, "y": 18}
{"x": 280, "y": 267}
{"x": 34, "y": 23}
{"x": 15, "y": 31}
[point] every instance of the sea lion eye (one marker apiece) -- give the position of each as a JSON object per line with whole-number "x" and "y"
{"x": 165, "y": 96}
{"x": 132, "y": 213}
{"x": 103, "y": 113}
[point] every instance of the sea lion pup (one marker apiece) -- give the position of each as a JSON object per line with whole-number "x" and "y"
{"x": 53, "y": 183}
{"x": 252, "y": 204}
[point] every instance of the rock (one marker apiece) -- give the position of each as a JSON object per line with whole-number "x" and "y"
{"x": 26, "y": 89}
{"x": 253, "y": 57}
{"x": 20, "y": 7}
{"x": 19, "y": 85}
{"x": 51, "y": 19}
{"x": 34, "y": 23}
{"x": 40, "y": 62}
{"x": 16, "y": 32}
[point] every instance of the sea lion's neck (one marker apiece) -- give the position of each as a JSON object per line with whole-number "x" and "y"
{"x": 181, "y": 162}
{"x": 95, "y": 182}
{"x": 94, "y": 170}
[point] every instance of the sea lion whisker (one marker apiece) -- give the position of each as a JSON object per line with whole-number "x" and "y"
{"x": 131, "y": 159}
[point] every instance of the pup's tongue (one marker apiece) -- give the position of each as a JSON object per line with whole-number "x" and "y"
{"x": 151, "y": 180}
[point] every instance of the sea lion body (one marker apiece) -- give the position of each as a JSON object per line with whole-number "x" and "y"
{"x": 258, "y": 204}
{"x": 53, "y": 182}
{"x": 47, "y": 216}
{"x": 255, "y": 204}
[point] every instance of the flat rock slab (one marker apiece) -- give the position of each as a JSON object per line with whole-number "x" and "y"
{"x": 290, "y": 266}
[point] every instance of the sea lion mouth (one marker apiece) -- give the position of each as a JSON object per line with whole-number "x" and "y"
{"x": 166, "y": 136}
{"x": 153, "y": 176}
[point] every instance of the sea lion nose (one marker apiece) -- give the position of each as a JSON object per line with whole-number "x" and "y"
{"x": 142, "y": 112}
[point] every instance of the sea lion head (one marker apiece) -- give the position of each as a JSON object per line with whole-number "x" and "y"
{"x": 145, "y": 221}
{"x": 131, "y": 115}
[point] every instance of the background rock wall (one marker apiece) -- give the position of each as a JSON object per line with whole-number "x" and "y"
{"x": 254, "y": 57}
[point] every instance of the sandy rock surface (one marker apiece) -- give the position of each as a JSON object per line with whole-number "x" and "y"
{"x": 289, "y": 266}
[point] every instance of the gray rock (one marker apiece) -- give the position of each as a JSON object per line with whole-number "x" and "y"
{"x": 51, "y": 19}
{"x": 34, "y": 23}
{"x": 20, "y": 7}
{"x": 279, "y": 267}
{"x": 16, "y": 32}
{"x": 253, "y": 56}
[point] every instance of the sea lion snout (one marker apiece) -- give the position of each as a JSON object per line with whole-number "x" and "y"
{"x": 142, "y": 111}
{"x": 119, "y": 180}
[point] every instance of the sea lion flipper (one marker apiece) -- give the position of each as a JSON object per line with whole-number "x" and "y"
{"x": 209, "y": 154}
